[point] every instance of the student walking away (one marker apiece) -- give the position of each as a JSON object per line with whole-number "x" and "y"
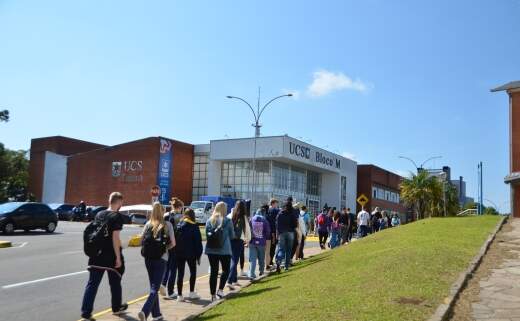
{"x": 335, "y": 231}
{"x": 168, "y": 282}
{"x": 272, "y": 213}
{"x": 396, "y": 221}
{"x": 383, "y": 222}
{"x": 286, "y": 225}
{"x": 344, "y": 225}
{"x": 242, "y": 254}
{"x": 157, "y": 238}
{"x": 242, "y": 235}
{"x": 363, "y": 219}
{"x": 305, "y": 227}
{"x": 260, "y": 232}
{"x": 323, "y": 228}
{"x": 219, "y": 233}
{"x": 352, "y": 224}
{"x": 188, "y": 250}
{"x": 102, "y": 244}
{"x": 296, "y": 214}
{"x": 375, "y": 219}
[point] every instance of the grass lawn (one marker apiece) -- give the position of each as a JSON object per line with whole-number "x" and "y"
{"x": 397, "y": 274}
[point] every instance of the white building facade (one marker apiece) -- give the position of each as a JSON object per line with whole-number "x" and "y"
{"x": 284, "y": 167}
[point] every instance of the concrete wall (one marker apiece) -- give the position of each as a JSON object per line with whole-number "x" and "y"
{"x": 54, "y": 178}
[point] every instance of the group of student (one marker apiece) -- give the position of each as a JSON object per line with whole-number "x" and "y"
{"x": 343, "y": 226}
{"x": 171, "y": 240}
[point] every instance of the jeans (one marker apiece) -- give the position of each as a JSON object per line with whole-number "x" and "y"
{"x": 323, "y": 236}
{"x": 181, "y": 264}
{"x": 344, "y": 234}
{"x": 335, "y": 239}
{"x": 95, "y": 277}
{"x": 363, "y": 230}
{"x": 155, "y": 268}
{"x": 171, "y": 272}
{"x": 237, "y": 248}
{"x": 267, "y": 252}
{"x": 351, "y": 232}
{"x": 300, "y": 250}
{"x": 285, "y": 243}
{"x": 214, "y": 260}
{"x": 295, "y": 244}
{"x": 256, "y": 252}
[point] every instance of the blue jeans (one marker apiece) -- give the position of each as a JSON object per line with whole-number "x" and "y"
{"x": 363, "y": 230}
{"x": 237, "y": 248}
{"x": 155, "y": 270}
{"x": 256, "y": 252}
{"x": 334, "y": 239}
{"x": 95, "y": 277}
{"x": 285, "y": 243}
{"x": 171, "y": 272}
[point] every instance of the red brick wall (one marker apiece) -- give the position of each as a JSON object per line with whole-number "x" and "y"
{"x": 515, "y": 148}
{"x": 89, "y": 175}
{"x": 369, "y": 176}
{"x": 56, "y": 144}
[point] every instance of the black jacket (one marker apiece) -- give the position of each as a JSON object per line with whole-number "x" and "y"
{"x": 188, "y": 239}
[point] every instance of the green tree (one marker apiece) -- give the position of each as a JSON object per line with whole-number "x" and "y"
{"x": 4, "y": 115}
{"x": 490, "y": 211}
{"x": 14, "y": 175}
{"x": 452, "y": 200}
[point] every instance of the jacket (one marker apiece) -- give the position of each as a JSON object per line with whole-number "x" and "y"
{"x": 228, "y": 235}
{"x": 260, "y": 230}
{"x": 188, "y": 239}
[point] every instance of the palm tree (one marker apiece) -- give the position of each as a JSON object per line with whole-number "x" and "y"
{"x": 423, "y": 193}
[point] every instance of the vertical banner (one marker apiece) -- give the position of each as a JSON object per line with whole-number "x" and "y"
{"x": 165, "y": 170}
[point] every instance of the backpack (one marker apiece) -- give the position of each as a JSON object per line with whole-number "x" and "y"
{"x": 154, "y": 247}
{"x": 321, "y": 220}
{"x": 215, "y": 237}
{"x": 95, "y": 237}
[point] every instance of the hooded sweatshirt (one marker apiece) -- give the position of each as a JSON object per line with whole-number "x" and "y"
{"x": 260, "y": 229}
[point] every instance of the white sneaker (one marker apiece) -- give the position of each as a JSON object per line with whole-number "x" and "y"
{"x": 159, "y": 318}
{"x": 173, "y": 296}
{"x": 230, "y": 286}
{"x": 180, "y": 298}
{"x": 141, "y": 316}
{"x": 242, "y": 273}
{"x": 194, "y": 296}
{"x": 236, "y": 284}
{"x": 162, "y": 290}
{"x": 220, "y": 294}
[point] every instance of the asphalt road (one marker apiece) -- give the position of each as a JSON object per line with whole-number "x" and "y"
{"x": 43, "y": 276}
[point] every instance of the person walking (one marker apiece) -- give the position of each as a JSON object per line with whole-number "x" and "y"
{"x": 297, "y": 236}
{"x": 383, "y": 222}
{"x": 323, "y": 224}
{"x": 188, "y": 250}
{"x": 272, "y": 213}
{"x": 260, "y": 232}
{"x": 305, "y": 227}
{"x": 168, "y": 282}
{"x": 352, "y": 224}
{"x": 363, "y": 220}
{"x": 219, "y": 233}
{"x": 241, "y": 239}
{"x": 157, "y": 238}
{"x": 375, "y": 219}
{"x": 344, "y": 225}
{"x": 396, "y": 221}
{"x": 286, "y": 225}
{"x": 335, "y": 230}
{"x": 109, "y": 258}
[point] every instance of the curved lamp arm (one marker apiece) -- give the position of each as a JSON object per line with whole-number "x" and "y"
{"x": 270, "y": 101}
{"x": 243, "y": 100}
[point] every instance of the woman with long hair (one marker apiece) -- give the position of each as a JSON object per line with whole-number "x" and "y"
{"x": 157, "y": 238}
{"x": 168, "y": 282}
{"x": 335, "y": 230}
{"x": 219, "y": 232}
{"x": 242, "y": 237}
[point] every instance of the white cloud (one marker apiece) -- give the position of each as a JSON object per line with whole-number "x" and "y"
{"x": 295, "y": 93}
{"x": 325, "y": 82}
{"x": 349, "y": 156}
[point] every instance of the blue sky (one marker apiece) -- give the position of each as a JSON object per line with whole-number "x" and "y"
{"x": 374, "y": 79}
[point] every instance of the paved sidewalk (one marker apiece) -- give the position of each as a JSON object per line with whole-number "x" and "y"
{"x": 175, "y": 311}
{"x": 499, "y": 297}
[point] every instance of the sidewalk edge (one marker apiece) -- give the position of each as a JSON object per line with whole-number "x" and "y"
{"x": 443, "y": 311}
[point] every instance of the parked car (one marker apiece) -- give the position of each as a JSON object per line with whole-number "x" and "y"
{"x": 138, "y": 218}
{"x": 64, "y": 211}
{"x": 92, "y": 212}
{"x": 27, "y": 216}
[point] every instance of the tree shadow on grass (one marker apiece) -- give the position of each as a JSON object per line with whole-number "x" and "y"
{"x": 250, "y": 293}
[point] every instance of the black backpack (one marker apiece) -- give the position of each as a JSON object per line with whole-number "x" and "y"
{"x": 95, "y": 237}
{"x": 154, "y": 247}
{"x": 215, "y": 237}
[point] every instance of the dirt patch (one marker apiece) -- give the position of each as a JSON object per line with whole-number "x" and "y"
{"x": 413, "y": 301}
{"x": 493, "y": 258}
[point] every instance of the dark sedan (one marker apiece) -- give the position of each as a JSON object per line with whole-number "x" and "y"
{"x": 64, "y": 211}
{"x": 92, "y": 212}
{"x": 27, "y": 217}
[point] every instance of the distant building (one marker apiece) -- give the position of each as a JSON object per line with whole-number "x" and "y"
{"x": 381, "y": 187}
{"x": 460, "y": 185}
{"x": 513, "y": 90}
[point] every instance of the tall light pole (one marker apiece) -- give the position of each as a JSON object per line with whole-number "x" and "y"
{"x": 419, "y": 168}
{"x": 257, "y": 114}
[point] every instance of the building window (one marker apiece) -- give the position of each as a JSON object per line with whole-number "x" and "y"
{"x": 200, "y": 177}
{"x": 385, "y": 194}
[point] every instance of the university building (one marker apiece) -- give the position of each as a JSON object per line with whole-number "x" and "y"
{"x": 513, "y": 178}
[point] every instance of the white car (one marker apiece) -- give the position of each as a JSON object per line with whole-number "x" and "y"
{"x": 202, "y": 211}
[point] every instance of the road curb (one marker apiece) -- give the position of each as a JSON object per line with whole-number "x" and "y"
{"x": 232, "y": 294}
{"x": 4, "y": 244}
{"x": 445, "y": 309}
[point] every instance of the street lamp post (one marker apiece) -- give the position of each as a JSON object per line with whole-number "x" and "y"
{"x": 420, "y": 168}
{"x": 256, "y": 114}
